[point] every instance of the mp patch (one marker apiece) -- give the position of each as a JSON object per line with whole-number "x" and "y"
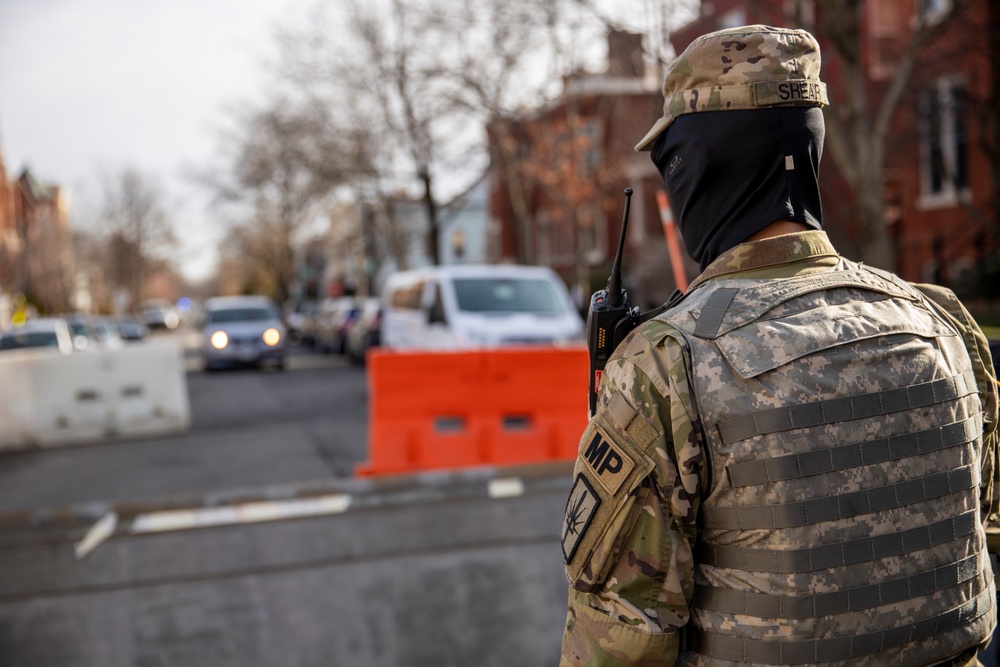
{"x": 609, "y": 465}
{"x": 580, "y": 510}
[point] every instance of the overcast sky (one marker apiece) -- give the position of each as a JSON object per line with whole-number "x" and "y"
{"x": 90, "y": 86}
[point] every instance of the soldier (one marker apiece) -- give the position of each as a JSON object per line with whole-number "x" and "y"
{"x": 794, "y": 463}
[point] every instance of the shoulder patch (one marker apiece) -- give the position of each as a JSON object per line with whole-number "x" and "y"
{"x": 581, "y": 507}
{"x": 610, "y": 467}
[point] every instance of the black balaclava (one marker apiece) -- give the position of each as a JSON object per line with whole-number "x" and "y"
{"x": 730, "y": 174}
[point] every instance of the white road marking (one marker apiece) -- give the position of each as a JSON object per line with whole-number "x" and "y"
{"x": 254, "y": 512}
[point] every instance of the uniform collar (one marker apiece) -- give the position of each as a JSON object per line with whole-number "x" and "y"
{"x": 772, "y": 251}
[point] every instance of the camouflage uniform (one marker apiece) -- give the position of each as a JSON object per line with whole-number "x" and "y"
{"x": 646, "y": 478}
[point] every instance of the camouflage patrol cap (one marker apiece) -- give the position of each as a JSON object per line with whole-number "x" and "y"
{"x": 752, "y": 67}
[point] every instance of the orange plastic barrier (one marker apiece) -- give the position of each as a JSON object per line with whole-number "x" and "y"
{"x": 444, "y": 410}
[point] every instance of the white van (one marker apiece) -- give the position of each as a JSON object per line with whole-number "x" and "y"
{"x": 449, "y": 307}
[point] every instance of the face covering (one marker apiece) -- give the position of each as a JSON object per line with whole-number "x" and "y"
{"x": 729, "y": 174}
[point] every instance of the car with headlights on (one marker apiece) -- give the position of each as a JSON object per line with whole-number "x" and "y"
{"x": 243, "y": 331}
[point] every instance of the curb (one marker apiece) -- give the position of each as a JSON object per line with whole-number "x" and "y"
{"x": 88, "y": 525}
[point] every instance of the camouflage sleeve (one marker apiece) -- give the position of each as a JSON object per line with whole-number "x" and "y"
{"x": 630, "y": 519}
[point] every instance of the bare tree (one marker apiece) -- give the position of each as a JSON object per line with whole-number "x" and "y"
{"x": 417, "y": 99}
{"x": 137, "y": 228}
{"x": 492, "y": 76}
{"x": 284, "y": 165}
{"x": 371, "y": 69}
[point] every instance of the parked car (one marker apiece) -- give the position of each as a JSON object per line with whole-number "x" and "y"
{"x": 307, "y": 320}
{"x": 91, "y": 332}
{"x": 130, "y": 329}
{"x": 364, "y": 333}
{"x": 243, "y": 330}
{"x": 298, "y": 321}
{"x": 462, "y": 307}
{"x": 44, "y": 332}
{"x": 106, "y": 332}
{"x": 332, "y": 321}
{"x": 83, "y": 333}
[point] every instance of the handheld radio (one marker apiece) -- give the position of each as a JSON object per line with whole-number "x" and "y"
{"x": 610, "y": 318}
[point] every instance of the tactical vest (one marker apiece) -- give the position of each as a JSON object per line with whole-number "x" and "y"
{"x": 842, "y": 523}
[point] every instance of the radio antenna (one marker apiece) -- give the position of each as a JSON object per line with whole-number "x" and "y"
{"x": 614, "y": 288}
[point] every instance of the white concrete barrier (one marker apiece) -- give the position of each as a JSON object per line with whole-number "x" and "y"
{"x": 50, "y": 400}
{"x": 151, "y": 394}
{"x": 17, "y": 399}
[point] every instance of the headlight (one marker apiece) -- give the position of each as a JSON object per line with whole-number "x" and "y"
{"x": 219, "y": 340}
{"x": 272, "y": 337}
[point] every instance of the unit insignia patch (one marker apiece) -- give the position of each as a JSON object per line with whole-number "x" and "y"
{"x": 580, "y": 510}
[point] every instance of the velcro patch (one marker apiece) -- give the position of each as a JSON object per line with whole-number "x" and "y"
{"x": 580, "y": 510}
{"x": 610, "y": 467}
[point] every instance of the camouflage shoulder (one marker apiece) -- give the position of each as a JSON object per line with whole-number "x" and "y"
{"x": 975, "y": 342}
{"x": 648, "y": 336}
{"x": 644, "y": 345}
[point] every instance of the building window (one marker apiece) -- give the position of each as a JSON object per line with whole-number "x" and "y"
{"x": 885, "y": 19}
{"x": 592, "y": 144}
{"x": 802, "y": 12}
{"x": 932, "y": 11}
{"x": 592, "y": 243}
{"x": 944, "y": 144}
{"x": 458, "y": 244}
{"x": 734, "y": 18}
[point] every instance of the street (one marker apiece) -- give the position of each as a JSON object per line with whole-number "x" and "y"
{"x": 249, "y": 541}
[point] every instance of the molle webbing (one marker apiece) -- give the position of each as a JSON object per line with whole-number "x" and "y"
{"x": 806, "y": 415}
{"x": 794, "y": 466}
{"x": 842, "y": 506}
{"x": 842, "y": 554}
{"x": 862, "y": 598}
{"x": 803, "y": 652}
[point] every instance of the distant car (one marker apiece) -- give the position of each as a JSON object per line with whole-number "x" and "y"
{"x": 131, "y": 329}
{"x": 243, "y": 330}
{"x": 106, "y": 331}
{"x": 159, "y": 314}
{"x": 91, "y": 332}
{"x": 46, "y": 332}
{"x": 363, "y": 333}
{"x": 332, "y": 322}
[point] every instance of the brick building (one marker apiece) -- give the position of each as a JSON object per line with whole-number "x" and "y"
{"x": 8, "y": 230}
{"x": 35, "y": 243}
{"x": 940, "y": 178}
